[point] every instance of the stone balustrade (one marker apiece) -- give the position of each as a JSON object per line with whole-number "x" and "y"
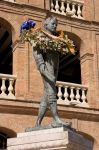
{"x": 7, "y": 83}
{"x": 72, "y": 94}
{"x": 71, "y": 8}
{"x": 67, "y": 93}
{"x": 10, "y": 0}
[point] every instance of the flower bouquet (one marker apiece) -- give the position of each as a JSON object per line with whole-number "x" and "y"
{"x": 44, "y": 41}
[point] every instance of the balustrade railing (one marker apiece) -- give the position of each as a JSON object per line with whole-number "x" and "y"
{"x": 7, "y": 83}
{"x": 72, "y": 94}
{"x": 67, "y": 93}
{"x": 10, "y": 0}
{"x": 71, "y": 8}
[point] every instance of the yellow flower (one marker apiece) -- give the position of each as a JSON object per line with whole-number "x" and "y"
{"x": 61, "y": 34}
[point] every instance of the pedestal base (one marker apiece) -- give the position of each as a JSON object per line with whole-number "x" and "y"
{"x": 49, "y": 139}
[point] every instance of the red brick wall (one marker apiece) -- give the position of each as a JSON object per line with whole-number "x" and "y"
{"x": 96, "y": 10}
{"x": 29, "y": 84}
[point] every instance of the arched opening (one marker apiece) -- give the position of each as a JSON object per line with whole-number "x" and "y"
{"x": 4, "y": 135}
{"x": 89, "y": 138}
{"x": 69, "y": 67}
{"x": 5, "y": 47}
{"x": 3, "y": 140}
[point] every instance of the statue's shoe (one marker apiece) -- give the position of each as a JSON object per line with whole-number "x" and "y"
{"x": 59, "y": 121}
{"x": 66, "y": 125}
{"x": 33, "y": 128}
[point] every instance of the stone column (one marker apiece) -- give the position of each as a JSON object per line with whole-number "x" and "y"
{"x": 28, "y": 84}
{"x": 20, "y": 60}
{"x": 87, "y": 75}
{"x": 96, "y": 66}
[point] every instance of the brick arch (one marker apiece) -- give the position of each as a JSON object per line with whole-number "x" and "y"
{"x": 75, "y": 38}
{"x": 8, "y": 132}
{"x": 69, "y": 68}
{"x": 87, "y": 136}
{"x": 5, "y": 133}
{"x": 6, "y": 24}
{"x": 7, "y": 31}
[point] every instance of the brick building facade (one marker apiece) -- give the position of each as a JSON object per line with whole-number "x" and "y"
{"x": 78, "y": 81}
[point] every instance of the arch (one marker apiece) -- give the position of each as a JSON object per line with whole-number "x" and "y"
{"x": 5, "y": 23}
{"x": 87, "y": 136}
{"x": 69, "y": 68}
{"x": 5, "y": 133}
{"x": 75, "y": 38}
{"x": 8, "y": 131}
{"x": 6, "y": 31}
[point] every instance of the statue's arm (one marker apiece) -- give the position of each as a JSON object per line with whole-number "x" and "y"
{"x": 38, "y": 59}
{"x": 42, "y": 66}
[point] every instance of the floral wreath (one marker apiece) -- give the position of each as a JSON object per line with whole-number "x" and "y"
{"x": 44, "y": 41}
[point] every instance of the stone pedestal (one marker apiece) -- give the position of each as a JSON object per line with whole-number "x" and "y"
{"x": 49, "y": 139}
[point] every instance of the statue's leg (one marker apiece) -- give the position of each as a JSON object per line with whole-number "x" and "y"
{"x": 53, "y": 107}
{"x": 52, "y": 63}
{"x": 42, "y": 110}
{"x": 47, "y": 77}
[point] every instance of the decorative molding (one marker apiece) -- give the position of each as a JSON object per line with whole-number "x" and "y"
{"x": 30, "y": 10}
{"x": 27, "y": 107}
{"x": 86, "y": 56}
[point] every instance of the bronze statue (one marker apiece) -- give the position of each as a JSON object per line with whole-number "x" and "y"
{"x": 46, "y": 55}
{"x": 48, "y": 64}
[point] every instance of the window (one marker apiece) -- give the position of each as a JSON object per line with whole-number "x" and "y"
{"x": 69, "y": 67}
{"x": 5, "y": 50}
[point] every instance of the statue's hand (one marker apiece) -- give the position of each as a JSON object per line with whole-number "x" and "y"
{"x": 42, "y": 68}
{"x": 60, "y": 39}
{"x": 46, "y": 74}
{"x": 56, "y": 38}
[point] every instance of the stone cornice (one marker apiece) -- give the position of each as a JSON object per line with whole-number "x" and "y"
{"x": 31, "y": 108}
{"x": 21, "y": 9}
{"x": 30, "y": 10}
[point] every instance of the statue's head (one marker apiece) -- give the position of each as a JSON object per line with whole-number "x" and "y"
{"x": 50, "y": 24}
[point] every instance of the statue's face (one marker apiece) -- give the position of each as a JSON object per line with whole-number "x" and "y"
{"x": 51, "y": 25}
